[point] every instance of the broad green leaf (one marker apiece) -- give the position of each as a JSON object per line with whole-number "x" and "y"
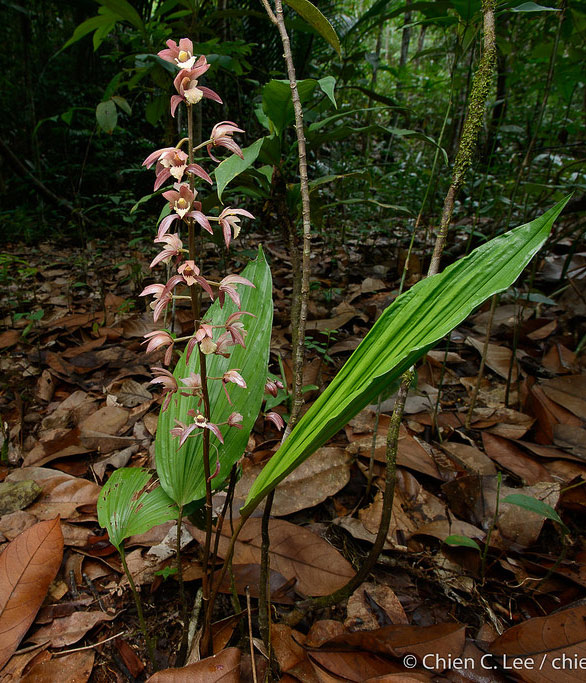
{"x": 406, "y": 330}
{"x": 181, "y": 470}
{"x": 464, "y": 541}
{"x": 316, "y": 19}
{"x": 125, "y": 10}
{"x": 278, "y": 105}
{"x": 107, "y": 116}
{"x": 534, "y": 505}
{"x": 234, "y": 165}
{"x": 128, "y": 506}
{"x": 327, "y": 85}
{"x": 89, "y": 25}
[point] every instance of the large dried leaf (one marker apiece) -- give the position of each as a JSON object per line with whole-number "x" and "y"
{"x": 27, "y": 567}
{"x": 406, "y": 330}
{"x": 569, "y": 392}
{"x": 74, "y": 667}
{"x": 542, "y": 643}
{"x": 295, "y": 552}
{"x": 61, "y": 493}
{"x": 221, "y": 668}
{"x": 68, "y": 630}
{"x": 321, "y": 475}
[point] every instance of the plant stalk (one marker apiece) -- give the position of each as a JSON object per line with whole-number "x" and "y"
{"x": 388, "y": 496}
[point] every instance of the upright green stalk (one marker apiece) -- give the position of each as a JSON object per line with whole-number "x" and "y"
{"x": 470, "y": 131}
{"x": 299, "y": 349}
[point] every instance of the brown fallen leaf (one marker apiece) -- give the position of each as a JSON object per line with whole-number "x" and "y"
{"x": 549, "y": 648}
{"x": 498, "y": 358}
{"x": 295, "y": 552}
{"x": 358, "y": 666}
{"x": 9, "y": 338}
{"x": 322, "y": 475}
{"x": 68, "y": 630}
{"x": 289, "y": 653}
{"x": 76, "y": 666}
{"x": 28, "y": 565}
{"x": 569, "y": 392}
{"x": 223, "y": 667}
{"x": 470, "y": 458}
{"x": 371, "y": 606}
{"x": 512, "y": 458}
{"x": 61, "y": 493}
{"x": 572, "y": 438}
{"x": 248, "y": 576}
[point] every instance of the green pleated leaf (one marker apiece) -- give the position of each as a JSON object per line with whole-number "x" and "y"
{"x": 278, "y": 105}
{"x": 407, "y": 329}
{"x": 127, "y": 507}
{"x": 316, "y": 20}
{"x": 181, "y": 470}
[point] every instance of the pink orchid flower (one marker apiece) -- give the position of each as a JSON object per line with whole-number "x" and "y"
{"x": 234, "y": 377}
{"x": 158, "y": 338}
{"x": 276, "y": 419}
{"x": 227, "y": 287}
{"x": 229, "y": 222}
{"x": 222, "y": 137}
{"x": 174, "y": 248}
{"x": 180, "y": 201}
{"x": 181, "y": 55}
{"x": 172, "y": 162}
{"x": 234, "y": 420}
{"x": 169, "y": 383}
{"x": 196, "y": 214}
{"x": 187, "y": 85}
{"x": 190, "y": 274}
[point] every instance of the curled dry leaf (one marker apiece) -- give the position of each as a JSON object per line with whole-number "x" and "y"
{"x": 27, "y": 567}
{"x": 295, "y": 552}
{"x": 221, "y": 668}
{"x": 498, "y": 358}
{"x": 547, "y": 646}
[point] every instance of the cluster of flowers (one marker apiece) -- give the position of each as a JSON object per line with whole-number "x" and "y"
{"x": 172, "y": 163}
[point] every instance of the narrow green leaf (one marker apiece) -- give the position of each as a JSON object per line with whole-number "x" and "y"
{"x": 127, "y": 507}
{"x": 316, "y": 19}
{"x": 534, "y": 505}
{"x": 405, "y": 331}
{"x": 234, "y": 165}
{"x": 181, "y": 470}
{"x": 464, "y": 541}
{"x": 107, "y": 116}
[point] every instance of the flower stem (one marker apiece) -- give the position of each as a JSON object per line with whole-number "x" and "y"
{"x": 138, "y": 602}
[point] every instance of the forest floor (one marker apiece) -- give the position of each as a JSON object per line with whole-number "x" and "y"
{"x": 76, "y": 404}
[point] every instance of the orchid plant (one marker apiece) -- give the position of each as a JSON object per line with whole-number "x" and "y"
{"x": 212, "y": 398}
